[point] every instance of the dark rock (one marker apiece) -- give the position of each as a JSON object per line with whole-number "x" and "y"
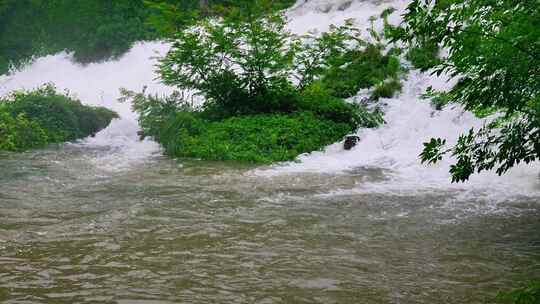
{"x": 345, "y": 6}
{"x": 350, "y": 142}
{"x": 141, "y": 134}
{"x": 326, "y": 9}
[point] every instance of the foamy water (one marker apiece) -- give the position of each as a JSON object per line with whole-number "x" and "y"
{"x": 108, "y": 220}
{"x": 99, "y": 84}
{"x": 410, "y": 121}
{"x": 393, "y": 147}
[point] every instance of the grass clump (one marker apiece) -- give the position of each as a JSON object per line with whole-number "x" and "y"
{"x": 32, "y": 119}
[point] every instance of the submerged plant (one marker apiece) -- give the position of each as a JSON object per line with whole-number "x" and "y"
{"x": 525, "y": 295}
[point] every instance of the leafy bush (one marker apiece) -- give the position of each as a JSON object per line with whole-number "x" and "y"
{"x": 44, "y": 116}
{"x": 19, "y": 133}
{"x": 154, "y": 111}
{"x": 364, "y": 68}
{"x": 268, "y": 93}
{"x": 262, "y": 138}
{"x": 317, "y": 99}
{"x": 187, "y": 131}
{"x": 250, "y": 66}
{"x": 359, "y": 69}
{"x": 423, "y": 57}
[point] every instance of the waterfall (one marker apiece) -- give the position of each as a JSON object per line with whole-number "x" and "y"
{"x": 410, "y": 121}
{"x": 98, "y": 84}
{"x": 393, "y": 147}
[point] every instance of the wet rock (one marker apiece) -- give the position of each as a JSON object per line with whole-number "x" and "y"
{"x": 350, "y": 142}
{"x": 141, "y": 135}
{"x": 345, "y": 6}
{"x": 326, "y": 9}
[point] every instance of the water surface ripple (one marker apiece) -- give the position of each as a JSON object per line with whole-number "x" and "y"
{"x": 168, "y": 231}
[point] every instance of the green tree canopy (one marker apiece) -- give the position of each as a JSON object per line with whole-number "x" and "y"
{"x": 93, "y": 30}
{"x": 494, "y": 52}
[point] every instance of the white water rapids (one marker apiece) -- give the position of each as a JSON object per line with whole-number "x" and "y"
{"x": 98, "y": 84}
{"x": 393, "y": 148}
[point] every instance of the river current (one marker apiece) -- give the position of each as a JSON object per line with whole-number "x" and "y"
{"x": 111, "y": 220}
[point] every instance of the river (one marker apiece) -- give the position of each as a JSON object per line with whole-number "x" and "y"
{"x": 111, "y": 220}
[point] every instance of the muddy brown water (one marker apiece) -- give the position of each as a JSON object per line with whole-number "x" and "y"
{"x": 184, "y": 231}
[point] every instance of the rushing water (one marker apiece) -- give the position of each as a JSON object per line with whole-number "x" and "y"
{"x": 167, "y": 231}
{"x": 110, "y": 220}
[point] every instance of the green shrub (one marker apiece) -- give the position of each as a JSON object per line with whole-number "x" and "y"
{"x": 317, "y": 99}
{"x": 19, "y": 133}
{"x": 48, "y": 117}
{"x": 62, "y": 117}
{"x": 386, "y": 89}
{"x": 269, "y": 95}
{"x": 154, "y": 111}
{"x": 423, "y": 57}
{"x": 251, "y": 66}
{"x": 360, "y": 69}
{"x": 317, "y": 120}
{"x": 177, "y": 130}
{"x": 262, "y": 138}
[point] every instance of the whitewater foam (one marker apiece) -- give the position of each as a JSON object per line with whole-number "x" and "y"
{"x": 396, "y": 145}
{"x": 319, "y": 15}
{"x": 410, "y": 121}
{"x": 98, "y": 84}
{"x": 393, "y": 147}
